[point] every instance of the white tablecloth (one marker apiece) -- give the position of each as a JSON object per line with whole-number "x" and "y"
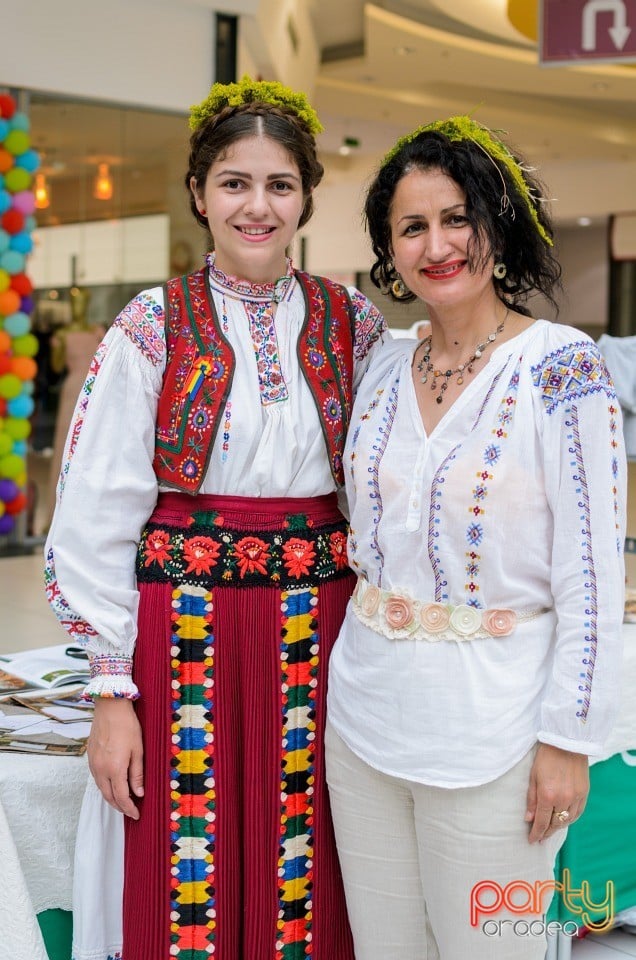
{"x": 40, "y": 799}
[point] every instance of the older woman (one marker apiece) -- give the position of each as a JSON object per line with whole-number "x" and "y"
{"x": 477, "y": 668}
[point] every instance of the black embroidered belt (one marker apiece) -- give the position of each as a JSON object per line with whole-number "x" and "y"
{"x": 207, "y": 553}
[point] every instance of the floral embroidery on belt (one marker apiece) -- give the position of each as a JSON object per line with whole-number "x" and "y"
{"x": 210, "y": 552}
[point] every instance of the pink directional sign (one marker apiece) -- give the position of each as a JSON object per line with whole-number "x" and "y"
{"x": 588, "y": 30}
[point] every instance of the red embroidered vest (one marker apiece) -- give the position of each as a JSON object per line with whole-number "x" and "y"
{"x": 200, "y": 367}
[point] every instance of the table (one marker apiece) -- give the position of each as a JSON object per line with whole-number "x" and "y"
{"x": 40, "y": 799}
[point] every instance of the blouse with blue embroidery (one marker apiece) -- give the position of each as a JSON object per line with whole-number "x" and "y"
{"x": 514, "y": 502}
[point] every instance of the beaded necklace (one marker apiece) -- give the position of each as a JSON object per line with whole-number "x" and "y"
{"x": 426, "y": 367}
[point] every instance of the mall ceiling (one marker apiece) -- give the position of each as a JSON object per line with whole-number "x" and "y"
{"x": 390, "y": 66}
{"x": 385, "y": 68}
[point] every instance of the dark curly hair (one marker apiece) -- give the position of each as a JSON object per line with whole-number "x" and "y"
{"x": 510, "y": 235}
{"x": 212, "y": 140}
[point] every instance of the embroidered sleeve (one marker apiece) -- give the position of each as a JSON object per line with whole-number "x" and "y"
{"x": 370, "y": 331}
{"x": 142, "y": 321}
{"x": 106, "y": 491}
{"x": 585, "y": 479}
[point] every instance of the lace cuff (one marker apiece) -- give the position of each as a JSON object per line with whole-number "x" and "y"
{"x": 111, "y": 677}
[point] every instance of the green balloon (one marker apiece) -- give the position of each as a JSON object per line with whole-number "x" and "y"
{"x": 17, "y": 428}
{"x": 6, "y": 444}
{"x": 17, "y": 142}
{"x": 17, "y": 179}
{"x": 10, "y": 386}
{"x": 25, "y": 346}
{"x": 12, "y": 466}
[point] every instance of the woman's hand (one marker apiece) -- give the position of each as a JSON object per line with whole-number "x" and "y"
{"x": 559, "y": 783}
{"x": 115, "y": 754}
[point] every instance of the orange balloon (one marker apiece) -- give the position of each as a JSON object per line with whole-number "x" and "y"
{"x": 23, "y": 367}
{"x": 6, "y": 160}
{"x": 5, "y": 341}
{"x": 9, "y": 302}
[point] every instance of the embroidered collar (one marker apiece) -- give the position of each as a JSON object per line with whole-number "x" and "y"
{"x": 245, "y": 289}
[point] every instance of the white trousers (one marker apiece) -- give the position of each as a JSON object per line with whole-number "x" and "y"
{"x": 412, "y": 855}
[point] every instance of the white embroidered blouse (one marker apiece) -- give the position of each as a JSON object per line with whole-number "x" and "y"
{"x": 514, "y": 503}
{"x": 270, "y": 444}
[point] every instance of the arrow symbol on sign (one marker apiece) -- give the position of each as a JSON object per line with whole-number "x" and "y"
{"x": 619, "y": 32}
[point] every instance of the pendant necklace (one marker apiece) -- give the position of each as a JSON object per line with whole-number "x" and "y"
{"x": 427, "y": 368}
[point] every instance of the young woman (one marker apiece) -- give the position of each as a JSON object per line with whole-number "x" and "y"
{"x": 198, "y": 548}
{"x": 478, "y": 664}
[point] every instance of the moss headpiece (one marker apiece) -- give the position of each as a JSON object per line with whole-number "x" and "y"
{"x": 464, "y": 128}
{"x": 254, "y": 91}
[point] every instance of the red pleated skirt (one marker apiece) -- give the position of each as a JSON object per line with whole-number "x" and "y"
{"x": 233, "y": 856}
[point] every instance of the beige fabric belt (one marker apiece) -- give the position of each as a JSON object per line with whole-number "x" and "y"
{"x": 397, "y": 615}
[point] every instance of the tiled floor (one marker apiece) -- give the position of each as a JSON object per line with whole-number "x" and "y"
{"x": 27, "y": 622}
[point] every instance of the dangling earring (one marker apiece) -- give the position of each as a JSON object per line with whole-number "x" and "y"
{"x": 398, "y": 288}
{"x": 500, "y": 270}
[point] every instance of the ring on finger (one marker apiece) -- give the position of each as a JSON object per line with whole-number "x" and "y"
{"x": 562, "y": 816}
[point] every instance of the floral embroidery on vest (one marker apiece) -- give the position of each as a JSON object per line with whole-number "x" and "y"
{"x": 200, "y": 366}
{"x": 197, "y": 381}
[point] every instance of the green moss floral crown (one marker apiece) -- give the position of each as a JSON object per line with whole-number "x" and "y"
{"x": 254, "y": 91}
{"x": 465, "y": 128}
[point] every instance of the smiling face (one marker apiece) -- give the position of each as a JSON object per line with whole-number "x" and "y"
{"x": 433, "y": 242}
{"x": 252, "y": 199}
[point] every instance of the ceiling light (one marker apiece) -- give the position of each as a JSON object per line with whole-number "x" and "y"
{"x": 42, "y": 192}
{"x": 103, "y": 186}
{"x": 584, "y": 221}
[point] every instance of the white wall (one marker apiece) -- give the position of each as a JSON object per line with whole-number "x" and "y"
{"x": 336, "y": 238}
{"x": 153, "y": 53}
{"x": 583, "y": 255}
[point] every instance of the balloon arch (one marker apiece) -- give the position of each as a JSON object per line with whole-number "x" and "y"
{"x": 18, "y": 163}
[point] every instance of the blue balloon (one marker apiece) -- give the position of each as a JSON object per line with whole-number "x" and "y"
{"x": 21, "y": 407}
{"x": 12, "y": 261}
{"x": 19, "y": 121}
{"x": 30, "y": 160}
{"x": 21, "y": 242}
{"x": 28, "y": 387}
{"x": 5, "y": 240}
{"x": 30, "y": 223}
{"x": 20, "y": 448}
{"x": 5, "y": 201}
{"x": 17, "y": 324}
{"x": 4, "y": 128}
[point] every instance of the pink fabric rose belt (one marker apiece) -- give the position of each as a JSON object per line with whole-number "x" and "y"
{"x": 399, "y": 616}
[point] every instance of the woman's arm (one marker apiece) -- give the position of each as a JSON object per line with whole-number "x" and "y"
{"x": 585, "y": 480}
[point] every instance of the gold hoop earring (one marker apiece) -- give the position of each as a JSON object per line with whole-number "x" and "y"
{"x": 398, "y": 288}
{"x": 500, "y": 270}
